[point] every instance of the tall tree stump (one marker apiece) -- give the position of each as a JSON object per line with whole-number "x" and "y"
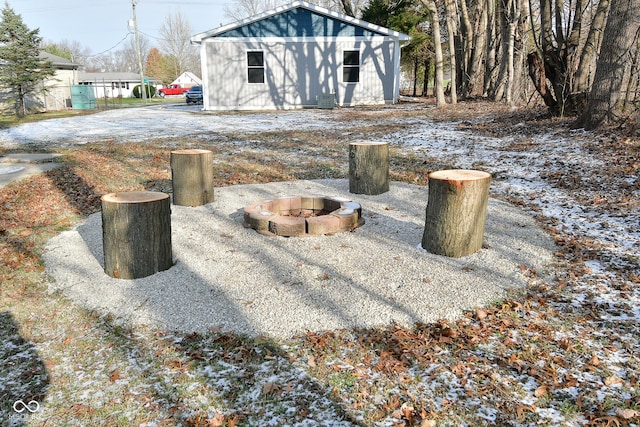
{"x": 136, "y": 234}
{"x": 192, "y": 177}
{"x": 456, "y": 212}
{"x": 368, "y": 167}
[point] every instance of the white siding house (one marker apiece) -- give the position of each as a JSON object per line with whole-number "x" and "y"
{"x": 296, "y": 55}
{"x": 54, "y": 93}
{"x": 187, "y": 79}
{"x": 112, "y": 84}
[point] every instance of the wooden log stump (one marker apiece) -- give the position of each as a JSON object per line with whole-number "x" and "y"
{"x": 192, "y": 177}
{"x": 368, "y": 167}
{"x": 136, "y": 234}
{"x": 456, "y": 212}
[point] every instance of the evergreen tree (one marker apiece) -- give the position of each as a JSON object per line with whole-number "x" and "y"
{"x": 21, "y": 67}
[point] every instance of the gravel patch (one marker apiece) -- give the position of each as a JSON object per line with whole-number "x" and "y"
{"x": 230, "y": 278}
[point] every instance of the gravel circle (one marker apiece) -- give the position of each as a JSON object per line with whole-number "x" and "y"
{"x": 230, "y": 278}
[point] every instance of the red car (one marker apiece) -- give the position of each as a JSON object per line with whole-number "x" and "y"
{"x": 172, "y": 90}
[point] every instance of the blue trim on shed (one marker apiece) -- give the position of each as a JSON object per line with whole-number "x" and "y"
{"x": 299, "y": 22}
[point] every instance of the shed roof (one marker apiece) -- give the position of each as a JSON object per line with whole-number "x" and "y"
{"x": 58, "y": 61}
{"x": 299, "y": 19}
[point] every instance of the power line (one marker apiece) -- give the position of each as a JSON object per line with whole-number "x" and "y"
{"x": 111, "y": 48}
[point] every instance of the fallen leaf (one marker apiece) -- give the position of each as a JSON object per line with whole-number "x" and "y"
{"x": 428, "y": 423}
{"x": 270, "y": 388}
{"x": 449, "y": 333}
{"x": 609, "y": 420}
{"x": 481, "y": 314}
{"x": 521, "y": 408}
{"x": 541, "y": 391}
{"x": 216, "y": 421}
{"x": 311, "y": 362}
{"x": 81, "y": 410}
{"x": 627, "y": 414}
{"x": 609, "y": 381}
{"x": 288, "y": 388}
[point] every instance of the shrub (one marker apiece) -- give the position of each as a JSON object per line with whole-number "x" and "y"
{"x": 151, "y": 91}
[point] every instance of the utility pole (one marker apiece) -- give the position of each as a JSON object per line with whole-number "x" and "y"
{"x": 135, "y": 30}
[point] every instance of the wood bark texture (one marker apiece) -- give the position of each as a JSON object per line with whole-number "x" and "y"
{"x": 456, "y": 212}
{"x": 620, "y": 34}
{"x": 368, "y": 167}
{"x": 192, "y": 177}
{"x": 439, "y": 71}
{"x": 136, "y": 234}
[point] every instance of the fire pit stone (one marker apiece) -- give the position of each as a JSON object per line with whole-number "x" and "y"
{"x": 300, "y": 216}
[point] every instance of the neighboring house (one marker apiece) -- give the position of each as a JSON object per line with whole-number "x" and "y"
{"x": 55, "y": 92}
{"x": 187, "y": 79}
{"x": 297, "y": 55}
{"x": 112, "y": 85}
{"x": 57, "y": 95}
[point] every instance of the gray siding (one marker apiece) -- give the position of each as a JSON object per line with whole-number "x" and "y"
{"x": 297, "y": 70}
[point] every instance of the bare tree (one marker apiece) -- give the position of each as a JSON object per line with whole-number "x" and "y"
{"x": 584, "y": 75}
{"x": 437, "y": 42}
{"x": 620, "y": 34}
{"x": 242, "y": 9}
{"x": 452, "y": 32}
{"x": 70, "y": 49}
{"x": 125, "y": 59}
{"x": 175, "y": 34}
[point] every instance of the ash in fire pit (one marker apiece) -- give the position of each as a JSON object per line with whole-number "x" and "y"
{"x": 301, "y": 216}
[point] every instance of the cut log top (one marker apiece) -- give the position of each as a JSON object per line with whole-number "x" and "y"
{"x": 368, "y": 143}
{"x": 134, "y": 197}
{"x": 191, "y": 151}
{"x": 459, "y": 175}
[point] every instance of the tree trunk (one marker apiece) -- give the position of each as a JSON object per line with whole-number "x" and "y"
{"x": 368, "y": 167}
{"x": 619, "y": 36}
{"x": 451, "y": 36}
{"x": 192, "y": 177}
{"x": 415, "y": 76}
{"x": 456, "y": 212}
{"x": 490, "y": 63}
{"x": 512, "y": 15}
{"x": 136, "y": 234}
{"x": 437, "y": 42}
{"x": 477, "y": 54}
{"x": 538, "y": 76}
{"x": 520, "y": 92}
{"x": 631, "y": 93}
{"x": 589, "y": 55}
{"x": 427, "y": 75}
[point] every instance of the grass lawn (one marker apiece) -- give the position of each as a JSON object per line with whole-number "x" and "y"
{"x": 536, "y": 358}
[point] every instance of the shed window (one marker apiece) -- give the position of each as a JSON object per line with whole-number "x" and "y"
{"x": 255, "y": 66}
{"x": 351, "y": 66}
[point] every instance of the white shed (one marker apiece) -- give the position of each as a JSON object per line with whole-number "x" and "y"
{"x": 296, "y": 56}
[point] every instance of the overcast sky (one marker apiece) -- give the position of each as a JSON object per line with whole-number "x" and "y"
{"x": 101, "y": 25}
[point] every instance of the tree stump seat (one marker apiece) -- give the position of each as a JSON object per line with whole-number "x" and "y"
{"x": 456, "y": 212}
{"x": 368, "y": 167}
{"x": 192, "y": 177}
{"x": 136, "y": 234}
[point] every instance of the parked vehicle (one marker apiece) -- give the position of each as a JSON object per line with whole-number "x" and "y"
{"x": 194, "y": 95}
{"x": 173, "y": 90}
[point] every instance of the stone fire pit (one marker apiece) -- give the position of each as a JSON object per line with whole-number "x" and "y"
{"x": 303, "y": 215}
